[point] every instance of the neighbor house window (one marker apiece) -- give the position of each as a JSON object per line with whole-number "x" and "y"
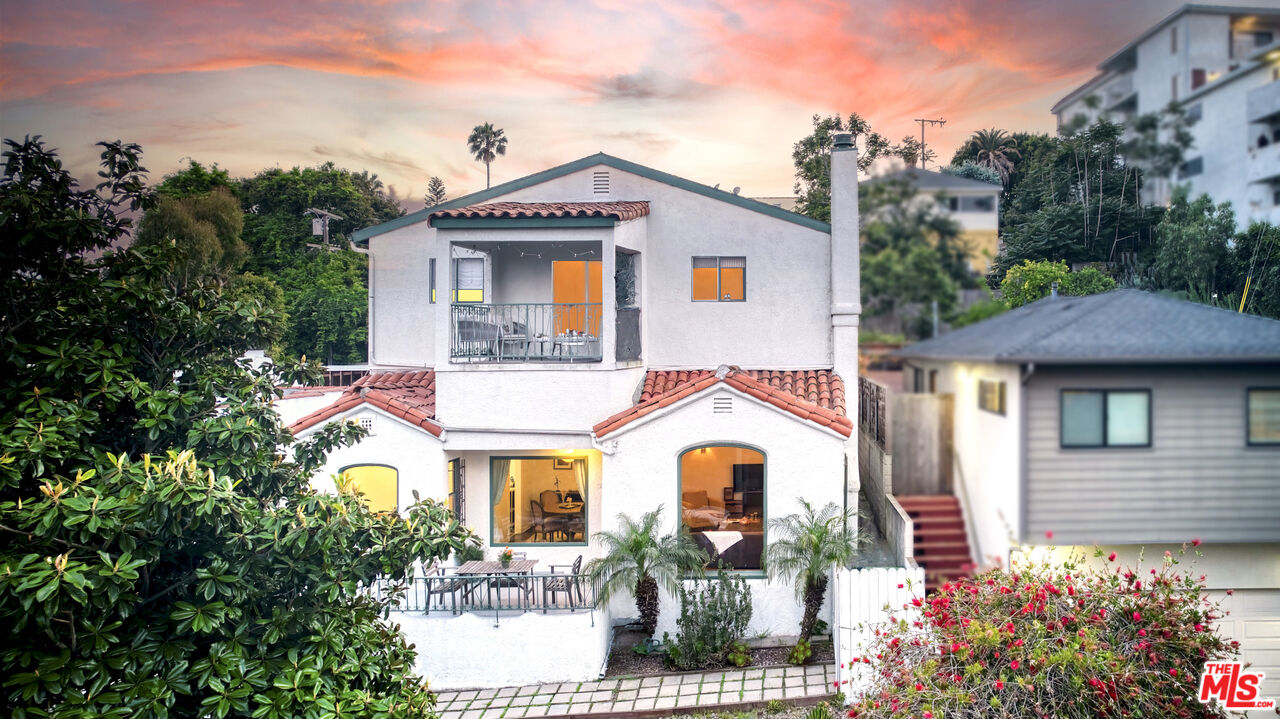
{"x": 1173, "y": 88}
{"x": 1173, "y": 40}
{"x": 1264, "y": 415}
{"x": 991, "y": 396}
{"x": 722, "y": 490}
{"x": 538, "y": 500}
{"x": 1191, "y": 168}
{"x": 722, "y": 279}
{"x": 431, "y": 278}
{"x": 1105, "y": 418}
{"x": 379, "y": 484}
{"x": 468, "y": 279}
{"x": 456, "y": 484}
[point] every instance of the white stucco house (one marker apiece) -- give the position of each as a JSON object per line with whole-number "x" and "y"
{"x": 596, "y": 339}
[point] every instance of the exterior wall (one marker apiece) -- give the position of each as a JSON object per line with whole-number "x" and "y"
{"x": 801, "y": 461}
{"x": 1198, "y": 479}
{"x": 402, "y": 320}
{"x": 988, "y": 454}
{"x": 544, "y": 398}
{"x": 292, "y": 409}
{"x": 468, "y": 652}
{"x": 417, "y": 456}
{"x": 787, "y": 266}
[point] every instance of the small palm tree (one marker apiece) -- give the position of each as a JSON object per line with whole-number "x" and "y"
{"x": 485, "y": 144}
{"x": 637, "y": 560}
{"x": 803, "y": 547}
{"x": 996, "y": 150}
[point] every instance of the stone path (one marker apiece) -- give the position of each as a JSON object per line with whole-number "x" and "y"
{"x": 725, "y": 687}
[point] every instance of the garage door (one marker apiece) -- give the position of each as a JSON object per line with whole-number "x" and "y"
{"x": 1255, "y": 623}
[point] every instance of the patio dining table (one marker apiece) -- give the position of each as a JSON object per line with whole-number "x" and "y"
{"x": 517, "y": 566}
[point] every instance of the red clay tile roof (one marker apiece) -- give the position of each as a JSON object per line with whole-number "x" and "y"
{"x": 815, "y": 395}
{"x": 411, "y": 396}
{"x": 626, "y": 210}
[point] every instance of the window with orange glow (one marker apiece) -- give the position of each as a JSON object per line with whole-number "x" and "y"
{"x": 719, "y": 279}
{"x": 576, "y": 285}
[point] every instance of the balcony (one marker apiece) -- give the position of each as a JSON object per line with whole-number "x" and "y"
{"x": 1264, "y": 163}
{"x": 1119, "y": 95}
{"x": 525, "y": 332}
{"x": 452, "y": 594}
{"x": 1263, "y": 103}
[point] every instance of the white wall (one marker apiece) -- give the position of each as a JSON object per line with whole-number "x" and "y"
{"x": 417, "y": 456}
{"x": 292, "y": 409}
{"x": 534, "y": 397}
{"x": 402, "y": 319}
{"x": 801, "y": 461}
{"x": 468, "y": 652}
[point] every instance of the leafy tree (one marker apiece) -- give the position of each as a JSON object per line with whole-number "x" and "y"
{"x": 1255, "y": 260}
{"x": 436, "y": 193}
{"x": 912, "y": 151}
{"x": 638, "y": 561}
{"x": 973, "y": 171}
{"x": 163, "y": 553}
{"x": 485, "y": 143}
{"x": 803, "y": 548}
{"x": 196, "y": 179}
{"x": 996, "y": 151}
{"x": 812, "y": 158}
{"x": 979, "y": 311}
{"x": 1031, "y": 281}
{"x": 1069, "y": 639}
{"x": 328, "y": 305}
{"x": 248, "y": 288}
{"x": 204, "y": 227}
{"x": 1191, "y": 244}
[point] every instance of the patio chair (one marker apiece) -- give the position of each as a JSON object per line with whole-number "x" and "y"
{"x": 440, "y": 584}
{"x": 567, "y": 583}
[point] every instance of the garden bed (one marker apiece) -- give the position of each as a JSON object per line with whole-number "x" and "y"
{"x": 625, "y": 662}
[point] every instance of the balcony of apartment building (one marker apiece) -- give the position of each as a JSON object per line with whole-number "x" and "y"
{"x": 1119, "y": 95}
{"x": 540, "y": 302}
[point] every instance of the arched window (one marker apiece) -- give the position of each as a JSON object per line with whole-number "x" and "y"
{"x": 722, "y": 502}
{"x": 379, "y": 483}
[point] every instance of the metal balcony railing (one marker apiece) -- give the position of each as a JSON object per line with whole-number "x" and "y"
{"x": 455, "y": 594}
{"x": 526, "y": 332}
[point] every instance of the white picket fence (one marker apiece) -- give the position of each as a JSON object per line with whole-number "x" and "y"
{"x": 861, "y": 600}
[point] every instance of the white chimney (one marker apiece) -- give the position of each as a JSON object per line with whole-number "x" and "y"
{"x": 846, "y": 286}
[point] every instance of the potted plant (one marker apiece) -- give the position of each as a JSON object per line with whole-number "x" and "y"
{"x": 504, "y": 557}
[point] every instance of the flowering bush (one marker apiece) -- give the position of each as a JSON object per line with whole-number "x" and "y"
{"x": 1042, "y": 639}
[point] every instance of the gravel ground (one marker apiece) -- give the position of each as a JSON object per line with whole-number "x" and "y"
{"x": 625, "y": 662}
{"x": 787, "y": 713}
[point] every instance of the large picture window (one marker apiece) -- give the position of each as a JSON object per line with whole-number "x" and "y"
{"x": 1105, "y": 418}
{"x": 1264, "y": 415}
{"x": 722, "y": 490}
{"x": 538, "y": 500}
{"x": 719, "y": 279}
{"x": 379, "y": 484}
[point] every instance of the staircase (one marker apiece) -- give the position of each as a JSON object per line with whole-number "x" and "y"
{"x": 941, "y": 546}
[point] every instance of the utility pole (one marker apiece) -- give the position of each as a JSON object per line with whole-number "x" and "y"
{"x": 320, "y": 228}
{"x": 923, "y": 122}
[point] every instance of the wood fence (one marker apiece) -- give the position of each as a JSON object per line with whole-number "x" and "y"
{"x": 921, "y": 439}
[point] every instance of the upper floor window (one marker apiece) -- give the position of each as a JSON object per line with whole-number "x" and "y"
{"x": 431, "y": 275}
{"x": 1195, "y": 112}
{"x": 971, "y": 203}
{"x": 1105, "y": 418}
{"x": 1173, "y": 40}
{"x": 468, "y": 279}
{"x": 722, "y": 279}
{"x": 1191, "y": 168}
{"x": 991, "y": 396}
{"x": 378, "y": 483}
{"x": 1173, "y": 88}
{"x": 1263, "y": 415}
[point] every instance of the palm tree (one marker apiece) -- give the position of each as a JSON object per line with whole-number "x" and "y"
{"x": 996, "y": 150}
{"x": 803, "y": 548}
{"x": 485, "y": 144}
{"x": 637, "y": 560}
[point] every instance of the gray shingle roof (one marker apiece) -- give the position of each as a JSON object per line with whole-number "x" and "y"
{"x": 1121, "y": 326}
{"x": 930, "y": 180}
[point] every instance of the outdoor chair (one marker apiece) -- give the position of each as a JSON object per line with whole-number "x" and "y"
{"x": 567, "y": 583}
{"x": 441, "y": 584}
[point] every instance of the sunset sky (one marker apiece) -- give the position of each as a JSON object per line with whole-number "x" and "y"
{"x": 713, "y": 91}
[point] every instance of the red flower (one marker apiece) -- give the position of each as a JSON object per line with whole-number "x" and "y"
{"x": 1195, "y": 542}
{"x": 1173, "y": 672}
{"x": 1111, "y": 557}
{"x": 1048, "y": 535}
{"x": 1013, "y": 664}
{"x": 1137, "y": 617}
{"x": 1142, "y": 632}
{"x": 999, "y": 685}
{"x": 919, "y": 687}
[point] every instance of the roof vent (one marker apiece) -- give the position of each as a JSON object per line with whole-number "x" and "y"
{"x": 600, "y": 182}
{"x": 722, "y": 404}
{"x": 366, "y": 423}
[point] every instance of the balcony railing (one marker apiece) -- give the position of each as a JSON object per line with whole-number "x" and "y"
{"x": 454, "y": 594}
{"x": 526, "y": 332}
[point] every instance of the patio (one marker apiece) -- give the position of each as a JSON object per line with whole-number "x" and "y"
{"x": 657, "y": 695}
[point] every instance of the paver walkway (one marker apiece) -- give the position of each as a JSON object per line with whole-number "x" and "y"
{"x": 644, "y": 694}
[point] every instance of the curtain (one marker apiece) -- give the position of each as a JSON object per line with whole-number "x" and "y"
{"x": 501, "y": 470}
{"x": 580, "y": 474}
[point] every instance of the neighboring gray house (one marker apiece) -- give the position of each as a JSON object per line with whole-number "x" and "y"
{"x": 1122, "y": 419}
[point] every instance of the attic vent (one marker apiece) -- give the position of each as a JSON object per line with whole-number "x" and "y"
{"x": 721, "y": 405}
{"x": 600, "y": 182}
{"x": 366, "y": 423}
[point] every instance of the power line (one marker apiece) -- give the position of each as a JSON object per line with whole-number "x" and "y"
{"x": 939, "y": 122}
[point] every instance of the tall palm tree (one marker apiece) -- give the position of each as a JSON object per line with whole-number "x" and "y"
{"x": 637, "y": 560}
{"x": 996, "y": 150}
{"x": 803, "y": 548}
{"x": 485, "y": 144}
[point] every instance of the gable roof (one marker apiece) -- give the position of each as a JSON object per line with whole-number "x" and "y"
{"x": 814, "y": 395}
{"x": 410, "y": 396}
{"x": 583, "y": 164}
{"x": 1189, "y": 8}
{"x": 622, "y": 211}
{"x": 930, "y": 180}
{"x": 1117, "y": 327}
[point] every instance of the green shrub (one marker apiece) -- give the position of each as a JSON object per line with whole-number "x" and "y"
{"x": 820, "y": 711}
{"x": 739, "y": 654}
{"x": 470, "y": 552}
{"x": 800, "y": 653}
{"x": 714, "y": 614}
{"x": 1031, "y": 281}
{"x": 774, "y": 706}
